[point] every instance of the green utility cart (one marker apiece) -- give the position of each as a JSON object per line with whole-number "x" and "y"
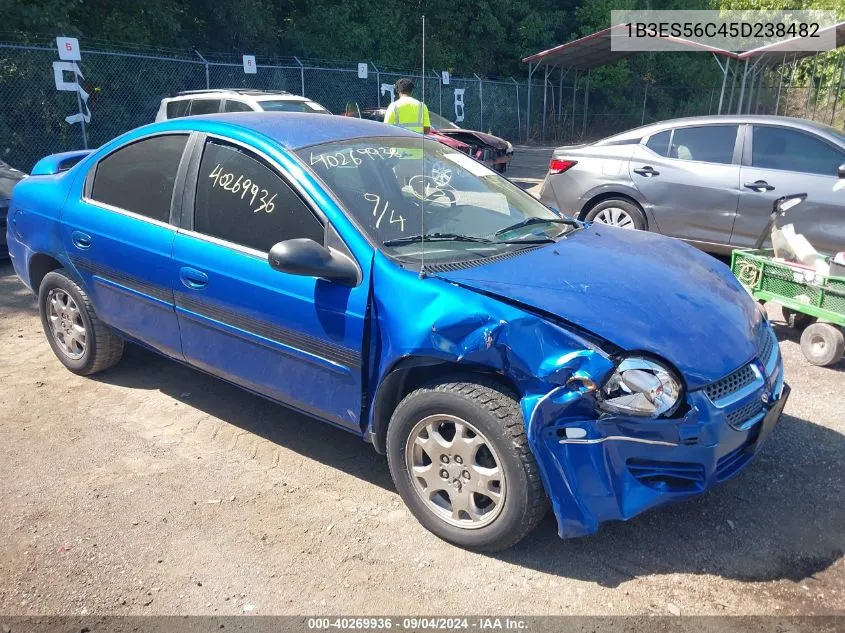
{"x": 811, "y": 302}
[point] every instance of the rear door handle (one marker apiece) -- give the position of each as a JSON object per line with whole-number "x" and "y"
{"x": 80, "y": 240}
{"x": 759, "y": 186}
{"x": 193, "y": 278}
{"x": 648, "y": 171}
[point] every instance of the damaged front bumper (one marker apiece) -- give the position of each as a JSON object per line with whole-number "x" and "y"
{"x": 609, "y": 467}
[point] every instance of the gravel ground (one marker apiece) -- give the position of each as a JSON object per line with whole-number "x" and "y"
{"x": 155, "y": 489}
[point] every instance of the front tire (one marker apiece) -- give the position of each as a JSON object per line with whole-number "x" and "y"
{"x": 618, "y": 212}
{"x": 83, "y": 343}
{"x": 460, "y": 460}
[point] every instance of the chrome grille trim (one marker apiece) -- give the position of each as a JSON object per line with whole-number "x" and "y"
{"x": 731, "y": 383}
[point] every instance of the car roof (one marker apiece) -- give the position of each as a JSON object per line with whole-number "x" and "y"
{"x": 292, "y": 130}
{"x": 714, "y": 119}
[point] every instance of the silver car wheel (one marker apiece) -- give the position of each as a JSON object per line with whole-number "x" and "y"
{"x": 455, "y": 471}
{"x": 66, "y": 324}
{"x": 616, "y": 217}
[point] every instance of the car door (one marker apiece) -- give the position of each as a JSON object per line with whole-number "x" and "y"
{"x": 118, "y": 236}
{"x": 690, "y": 178}
{"x": 292, "y": 338}
{"x": 780, "y": 161}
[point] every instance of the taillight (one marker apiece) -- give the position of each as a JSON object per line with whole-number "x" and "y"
{"x": 559, "y": 165}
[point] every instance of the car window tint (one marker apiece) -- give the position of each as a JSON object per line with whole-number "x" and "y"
{"x": 176, "y": 109}
{"x": 241, "y": 199}
{"x": 205, "y": 106}
{"x": 659, "y": 143}
{"x": 780, "y": 148}
{"x": 139, "y": 177}
{"x": 236, "y": 106}
{"x": 707, "y": 143}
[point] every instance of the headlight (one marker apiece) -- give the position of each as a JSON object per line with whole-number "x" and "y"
{"x": 640, "y": 386}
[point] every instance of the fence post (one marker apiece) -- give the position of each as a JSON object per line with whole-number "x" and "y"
{"x": 780, "y": 83}
{"x": 645, "y": 98}
{"x": 836, "y": 98}
{"x": 518, "y": 122}
{"x": 528, "y": 112}
{"x": 205, "y": 62}
{"x": 586, "y": 103}
{"x": 378, "y": 84}
{"x": 481, "y": 101}
{"x": 545, "y": 90}
{"x": 810, "y": 87}
{"x": 574, "y": 89}
{"x": 301, "y": 77}
{"x": 439, "y": 90}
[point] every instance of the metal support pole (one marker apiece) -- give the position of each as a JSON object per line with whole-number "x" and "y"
{"x": 645, "y": 97}
{"x": 560, "y": 94}
{"x": 481, "y": 101}
{"x": 302, "y": 77}
{"x": 780, "y": 83}
{"x": 751, "y": 87}
{"x": 836, "y": 98}
{"x": 518, "y": 122}
{"x": 810, "y": 88}
{"x": 710, "y": 105}
{"x": 205, "y": 62}
{"x": 586, "y": 102}
{"x": 730, "y": 107}
{"x": 789, "y": 85}
{"x": 574, "y": 89}
{"x": 742, "y": 90}
{"x": 725, "y": 69}
{"x": 545, "y": 91}
{"x": 528, "y": 113}
{"x": 378, "y": 84}
{"x": 439, "y": 90}
{"x": 818, "y": 89}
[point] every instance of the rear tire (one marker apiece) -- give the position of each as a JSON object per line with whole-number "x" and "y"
{"x": 618, "y": 212}
{"x": 460, "y": 460}
{"x": 80, "y": 340}
{"x": 823, "y": 344}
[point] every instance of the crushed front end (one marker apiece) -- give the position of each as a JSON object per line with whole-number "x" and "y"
{"x": 601, "y": 466}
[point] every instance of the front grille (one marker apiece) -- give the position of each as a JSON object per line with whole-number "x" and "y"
{"x": 730, "y": 384}
{"x": 766, "y": 341}
{"x": 732, "y": 463}
{"x": 667, "y": 476}
{"x": 741, "y": 416}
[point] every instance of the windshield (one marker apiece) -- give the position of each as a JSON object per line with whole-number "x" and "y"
{"x": 406, "y": 191}
{"x": 292, "y": 106}
{"x": 441, "y": 123}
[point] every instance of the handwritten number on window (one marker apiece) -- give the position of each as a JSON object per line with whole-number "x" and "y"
{"x": 379, "y": 211}
{"x": 245, "y": 187}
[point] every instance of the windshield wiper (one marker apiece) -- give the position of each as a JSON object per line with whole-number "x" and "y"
{"x": 435, "y": 237}
{"x": 536, "y": 220}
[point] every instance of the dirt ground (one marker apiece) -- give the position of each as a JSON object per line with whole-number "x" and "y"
{"x": 155, "y": 489}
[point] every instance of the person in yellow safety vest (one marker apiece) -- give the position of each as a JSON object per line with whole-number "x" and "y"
{"x": 406, "y": 112}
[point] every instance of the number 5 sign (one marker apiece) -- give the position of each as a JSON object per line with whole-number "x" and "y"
{"x": 68, "y": 49}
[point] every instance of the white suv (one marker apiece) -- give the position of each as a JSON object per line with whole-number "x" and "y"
{"x": 234, "y": 100}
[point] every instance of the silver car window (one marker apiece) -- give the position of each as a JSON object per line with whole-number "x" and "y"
{"x": 705, "y": 143}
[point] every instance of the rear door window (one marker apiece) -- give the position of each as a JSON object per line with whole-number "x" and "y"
{"x": 176, "y": 109}
{"x": 236, "y": 106}
{"x": 205, "y": 106}
{"x": 659, "y": 143}
{"x": 139, "y": 177}
{"x": 791, "y": 150}
{"x": 241, "y": 199}
{"x": 705, "y": 143}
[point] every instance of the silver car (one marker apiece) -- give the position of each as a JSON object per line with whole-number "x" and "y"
{"x": 708, "y": 180}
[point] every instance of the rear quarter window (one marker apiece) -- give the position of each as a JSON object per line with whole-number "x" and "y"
{"x": 176, "y": 109}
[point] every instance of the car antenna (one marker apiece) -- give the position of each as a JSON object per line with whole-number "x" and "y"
{"x": 422, "y": 179}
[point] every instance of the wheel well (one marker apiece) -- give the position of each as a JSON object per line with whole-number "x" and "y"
{"x": 409, "y": 375}
{"x": 608, "y": 196}
{"x": 39, "y": 265}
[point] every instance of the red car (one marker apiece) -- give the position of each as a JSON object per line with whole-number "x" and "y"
{"x": 491, "y": 150}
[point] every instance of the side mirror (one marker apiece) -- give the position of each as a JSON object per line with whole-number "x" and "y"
{"x": 303, "y": 256}
{"x": 842, "y": 170}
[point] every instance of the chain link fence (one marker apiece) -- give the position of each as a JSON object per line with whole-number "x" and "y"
{"x": 125, "y": 88}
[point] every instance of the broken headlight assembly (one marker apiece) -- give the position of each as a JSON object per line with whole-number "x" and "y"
{"x": 641, "y": 386}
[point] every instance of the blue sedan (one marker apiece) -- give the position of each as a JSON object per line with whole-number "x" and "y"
{"x": 501, "y": 355}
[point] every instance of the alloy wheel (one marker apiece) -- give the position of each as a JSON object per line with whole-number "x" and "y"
{"x": 66, "y": 324}
{"x": 615, "y": 216}
{"x": 456, "y": 471}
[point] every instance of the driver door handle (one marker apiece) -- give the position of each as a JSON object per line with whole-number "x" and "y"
{"x": 648, "y": 171}
{"x": 193, "y": 278}
{"x": 759, "y": 186}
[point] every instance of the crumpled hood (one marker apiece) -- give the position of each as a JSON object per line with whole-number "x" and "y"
{"x": 640, "y": 291}
{"x": 467, "y": 136}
